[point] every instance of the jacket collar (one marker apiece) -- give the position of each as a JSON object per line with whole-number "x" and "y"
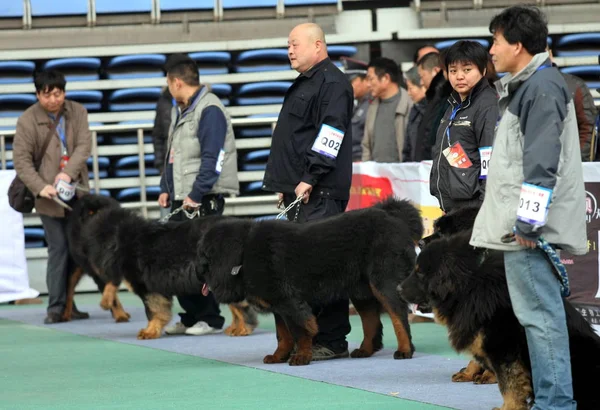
{"x": 43, "y": 118}
{"x": 317, "y": 67}
{"x": 454, "y": 98}
{"x": 509, "y": 83}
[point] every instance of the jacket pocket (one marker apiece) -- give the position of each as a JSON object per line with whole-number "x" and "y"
{"x": 463, "y": 183}
{"x": 299, "y": 107}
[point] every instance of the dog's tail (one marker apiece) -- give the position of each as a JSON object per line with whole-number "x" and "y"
{"x": 407, "y": 212}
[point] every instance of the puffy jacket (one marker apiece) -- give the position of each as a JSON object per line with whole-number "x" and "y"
{"x": 470, "y": 123}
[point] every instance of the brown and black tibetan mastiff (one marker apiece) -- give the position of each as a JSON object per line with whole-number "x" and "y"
{"x": 466, "y": 288}
{"x": 289, "y": 269}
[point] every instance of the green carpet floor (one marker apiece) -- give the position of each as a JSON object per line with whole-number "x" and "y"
{"x": 42, "y": 368}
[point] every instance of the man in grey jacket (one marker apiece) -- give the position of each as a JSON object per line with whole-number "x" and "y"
{"x": 534, "y": 189}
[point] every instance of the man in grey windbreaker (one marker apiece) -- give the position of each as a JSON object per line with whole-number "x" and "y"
{"x": 534, "y": 186}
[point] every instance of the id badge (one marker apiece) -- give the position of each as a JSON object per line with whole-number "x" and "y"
{"x": 533, "y": 204}
{"x": 485, "y": 153}
{"x": 171, "y": 156}
{"x": 456, "y": 156}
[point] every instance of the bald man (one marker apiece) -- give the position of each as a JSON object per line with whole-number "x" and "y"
{"x": 311, "y": 156}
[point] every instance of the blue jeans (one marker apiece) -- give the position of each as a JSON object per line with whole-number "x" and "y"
{"x": 537, "y": 303}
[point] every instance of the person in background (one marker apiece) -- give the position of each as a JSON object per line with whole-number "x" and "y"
{"x": 160, "y": 131}
{"x": 422, "y": 51}
{"x": 416, "y": 92}
{"x": 357, "y": 74}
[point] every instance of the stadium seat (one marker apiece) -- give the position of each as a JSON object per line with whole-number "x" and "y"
{"x": 185, "y": 5}
{"x": 253, "y": 188}
{"x": 11, "y": 9}
{"x": 91, "y": 100}
{"x": 134, "y": 99}
{"x": 45, "y": 8}
{"x": 13, "y": 105}
{"x": 130, "y": 137}
{"x": 588, "y": 73}
{"x": 129, "y": 166}
{"x": 265, "y": 218}
{"x": 269, "y": 59}
{"x": 34, "y": 237}
{"x": 269, "y": 92}
{"x": 136, "y": 66}
{"x": 12, "y": 72}
{"x": 212, "y": 62}
{"x": 10, "y": 165}
{"x": 578, "y": 45}
{"x": 255, "y": 160}
{"x": 120, "y": 6}
{"x": 442, "y": 45}
{"x": 256, "y": 131}
{"x": 133, "y": 194}
{"x": 248, "y": 4}
{"x": 223, "y": 91}
{"x": 77, "y": 68}
{"x": 103, "y": 165}
{"x": 99, "y": 138}
{"x": 335, "y": 52}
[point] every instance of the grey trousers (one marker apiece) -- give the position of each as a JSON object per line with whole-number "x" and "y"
{"x": 57, "y": 271}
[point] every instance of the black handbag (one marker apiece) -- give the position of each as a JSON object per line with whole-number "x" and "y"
{"x": 20, "y": 198}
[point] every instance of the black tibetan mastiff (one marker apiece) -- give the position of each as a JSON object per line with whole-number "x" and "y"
{"x": 84, "y": 209}
{"x": 466, "y": 288}
{"x": 288, "y": 268}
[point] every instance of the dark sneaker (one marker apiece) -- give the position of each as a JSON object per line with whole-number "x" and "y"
{"x": 324, "y": 353}
{"x": 77, "y": 315}
{"x": 52, "y": 318}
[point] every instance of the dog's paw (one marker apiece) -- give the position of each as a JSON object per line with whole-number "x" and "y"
{"x": 398, "y": 355}
{"x": 486, "y": 377}
{"x": 272, "y": 359}
{"x": 300, "y": 359}
{"x": 360, "y": 353}
{"x": 239, "y": 331}
{"x": 462, "y": 376}
{"x": 145, "y": 334}
{"x": 122, "y": 318}
{"x": 106, "y": 304}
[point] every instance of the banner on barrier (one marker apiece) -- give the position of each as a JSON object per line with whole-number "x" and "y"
{"x": 373, "y": 181}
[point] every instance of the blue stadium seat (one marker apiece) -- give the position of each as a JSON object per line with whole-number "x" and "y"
{"x": 129, "y": 137}
{"x": 34, "y": 237}
{"x": 265, "y": 218}
{"x": 43, "y": 8}
{"x": 10, "y": 9}
{"x": 257, "y": 131}
{"x": 103, "y": 165}
{"x": 12, "y": 72}
{"x": 120, "y": 6}
{"x": 212, "y": 62}
{"x": 13, "y": 105}
{"x": 128, "y": 166}
{"x": 269, "y": 59}
{"x": 255, "y": 160}
{"x": 134, "y": 99}
{"x": 77, "y": 68}
{"x": 223, "y": 91}
{"x": 578, "y": 45}
{"x": 335, "y": 52}
{"x": 308, "y": 2}
{"x": 90, "y": 99}
{"x": 10, "y": 165}
{"x": 588, "y": 73}
{"x": 269, "y": 92}
{"x": 441, "y": 45}
{"x": 248, "y": 4}
{"x": 136, "y": 66}
{"x": 133, "y": 194}
{"x": 184, "y": 5}
{"x": 253, "y": 188}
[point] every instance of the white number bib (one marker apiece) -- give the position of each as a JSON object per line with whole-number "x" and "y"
{"x": 65, "y": 190}
{"x": 485, "y": 153}
{"x": 220, "y": 160}
{"x": 533, "y": 204}
{"x": 328, "y": 141}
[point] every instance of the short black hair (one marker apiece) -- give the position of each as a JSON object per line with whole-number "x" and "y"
{"x": 523, "y": 24}
{"x": 465, "y": 51}
{"x": 183, "y": 67}
{"x": 383, "y": 66}
{"x": 46, "y": 81}
{"x": 430, "y": 61}
{"x": 416, "y": 55}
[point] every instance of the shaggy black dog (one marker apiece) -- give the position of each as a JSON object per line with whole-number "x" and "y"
{"x": 84, "y": 209}
{"x": 467, "y": 290}
{"x": 289, "y": 269}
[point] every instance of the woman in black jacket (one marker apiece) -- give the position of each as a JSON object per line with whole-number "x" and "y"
{"x": 465, "y": 135}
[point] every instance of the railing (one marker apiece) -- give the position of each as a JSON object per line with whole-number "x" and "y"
{"x": 241, "y": 206}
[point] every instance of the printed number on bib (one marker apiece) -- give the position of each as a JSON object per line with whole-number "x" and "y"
{"x": 328, "y": 141}
{"x": 65, "y": 191}
{"x": 533, "y": 204}
{"x": 485, "y": 153}
{"x": 220, "y": 160}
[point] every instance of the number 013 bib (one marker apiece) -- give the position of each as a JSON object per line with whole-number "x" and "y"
{"x": 533, "y": 204}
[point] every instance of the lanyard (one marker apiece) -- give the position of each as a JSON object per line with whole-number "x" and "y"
{"x": 60, "y": 130}
{"x": 454, "y": 111}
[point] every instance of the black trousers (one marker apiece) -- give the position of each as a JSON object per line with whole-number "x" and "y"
{"x": 333, "y": 320}
{"x": 200, "y": 308}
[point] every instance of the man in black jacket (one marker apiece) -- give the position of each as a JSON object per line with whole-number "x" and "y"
{"x": 311, "y": 156}
{"x": 160, "y": 132}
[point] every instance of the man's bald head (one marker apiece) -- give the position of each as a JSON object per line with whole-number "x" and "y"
{"x": 306, "y": 46}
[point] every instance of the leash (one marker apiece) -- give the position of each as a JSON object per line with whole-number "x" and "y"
{"x": 190, "y": 215}
{"x": 560, "y": 271}
{"x": 296, "y": 204}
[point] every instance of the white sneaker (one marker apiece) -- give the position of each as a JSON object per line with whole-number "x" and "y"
{"x": 201, "y": 328}
{"x": 176, "y": 329}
